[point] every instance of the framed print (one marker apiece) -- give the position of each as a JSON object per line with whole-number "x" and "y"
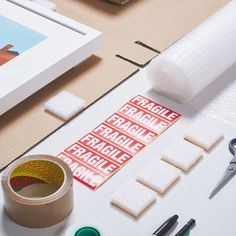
{"x": 36, "y": 46}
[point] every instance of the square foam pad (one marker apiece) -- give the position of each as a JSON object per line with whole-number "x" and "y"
{"x": 204, "y": 133}
{"x": 64, "y": 105}
{"x": 182, "y": 154}
{"x": 158, "y": 175}
{"x": 133, "y": 198}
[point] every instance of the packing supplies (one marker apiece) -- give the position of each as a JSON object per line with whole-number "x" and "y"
{"x": 197, "y": 59}
{"x": 38, "y": 191}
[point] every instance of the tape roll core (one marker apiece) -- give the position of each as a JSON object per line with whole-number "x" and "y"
{"x": 36, "y": 172}
{"x": 38, "y": 191}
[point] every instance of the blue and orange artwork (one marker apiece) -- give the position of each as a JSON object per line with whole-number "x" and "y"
{"x": 16, "y": 39}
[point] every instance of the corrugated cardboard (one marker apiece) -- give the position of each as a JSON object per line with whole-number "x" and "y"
{"x": 28, "y": 123}
{"x": 155, "y": 23}
{"x": 136, "y": 32}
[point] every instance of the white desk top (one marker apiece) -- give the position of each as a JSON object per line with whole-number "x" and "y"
{"x": 189, "y": 198}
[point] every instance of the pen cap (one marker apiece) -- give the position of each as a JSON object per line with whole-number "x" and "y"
{"x": 166, "y": 226}
{"x": 191, "y": 223}
{"x": 186, "y": 227}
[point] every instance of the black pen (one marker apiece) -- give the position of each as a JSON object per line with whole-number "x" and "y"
{"x": 187, "y": 227}
{"x": 166, "y": 226}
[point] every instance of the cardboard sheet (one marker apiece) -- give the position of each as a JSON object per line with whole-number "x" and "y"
{"x": 28, "y": 123}
{"x": 154, "y": 24}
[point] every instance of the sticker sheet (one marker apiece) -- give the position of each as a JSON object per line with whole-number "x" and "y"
{"x": 98, "y": 155}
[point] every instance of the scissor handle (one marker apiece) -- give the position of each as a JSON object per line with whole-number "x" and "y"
{"x": 232, "y": 146}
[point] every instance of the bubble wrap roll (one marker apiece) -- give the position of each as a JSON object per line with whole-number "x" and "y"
{"x": 197, "y": 59}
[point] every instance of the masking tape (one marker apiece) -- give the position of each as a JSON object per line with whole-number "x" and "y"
{"x": 38, "y": 191}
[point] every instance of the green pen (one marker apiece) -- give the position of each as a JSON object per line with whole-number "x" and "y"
{"x": 185, "y": 230}
{"x": 187, "y": 233}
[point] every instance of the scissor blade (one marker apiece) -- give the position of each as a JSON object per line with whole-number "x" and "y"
{"x": 229, "y": 173}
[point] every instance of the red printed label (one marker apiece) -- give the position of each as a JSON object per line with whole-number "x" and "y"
{"x": 91, "y": 159}
{"x": 155, "y": 108}
{"x": 131, "y": 128}
{"x": 98, "y": 155}
{"x": 82, "y": 173}
{"x": 157, "y": 124}
{"x": 118, "y": 139}
{"x": 102, "y": 147}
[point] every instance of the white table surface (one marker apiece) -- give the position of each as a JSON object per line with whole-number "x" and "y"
{"x": 189, "y": 198}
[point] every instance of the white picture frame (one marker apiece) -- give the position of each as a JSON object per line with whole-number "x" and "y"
{"x": 62, "y": 44}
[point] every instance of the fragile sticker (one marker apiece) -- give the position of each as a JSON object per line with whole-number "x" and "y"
{"x": 98, "y": 155}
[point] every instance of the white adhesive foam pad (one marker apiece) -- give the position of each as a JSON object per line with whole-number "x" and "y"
{"x": 158, "y": 175}
{"x": 47, "y": 4}
{"x": 198, "y": 58}
{"x": 133, "y": 198}
{"x": 182, "y": 154}
{"x": 64, "y": 105}
{"x": 204, "y": 133}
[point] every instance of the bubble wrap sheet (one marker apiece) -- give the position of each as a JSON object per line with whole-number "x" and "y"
{"x": 218, "y": 100}
{"x": 196, "y": 60}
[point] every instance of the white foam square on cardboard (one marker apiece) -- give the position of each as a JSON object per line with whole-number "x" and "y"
{"x": 182, "y": 154}
{"x": 204, "y": 133}
{"x": 133, "y": 198}
{"x": 64, "y": 105}
{"x": 158, "y": 175}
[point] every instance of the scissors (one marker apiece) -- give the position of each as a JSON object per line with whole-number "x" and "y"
{"x": 230, "y": 171}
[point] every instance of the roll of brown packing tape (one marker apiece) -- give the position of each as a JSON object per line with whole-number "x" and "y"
{"x": 38, "y": 191}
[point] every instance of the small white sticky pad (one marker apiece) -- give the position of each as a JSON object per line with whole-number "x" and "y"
{"x": 133, "y": 198}
{"x": 182, "y": 154}
{"x": 158, "y": 175}
{"x": 203, "y": 133}
{"x": 64, "y": 105}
